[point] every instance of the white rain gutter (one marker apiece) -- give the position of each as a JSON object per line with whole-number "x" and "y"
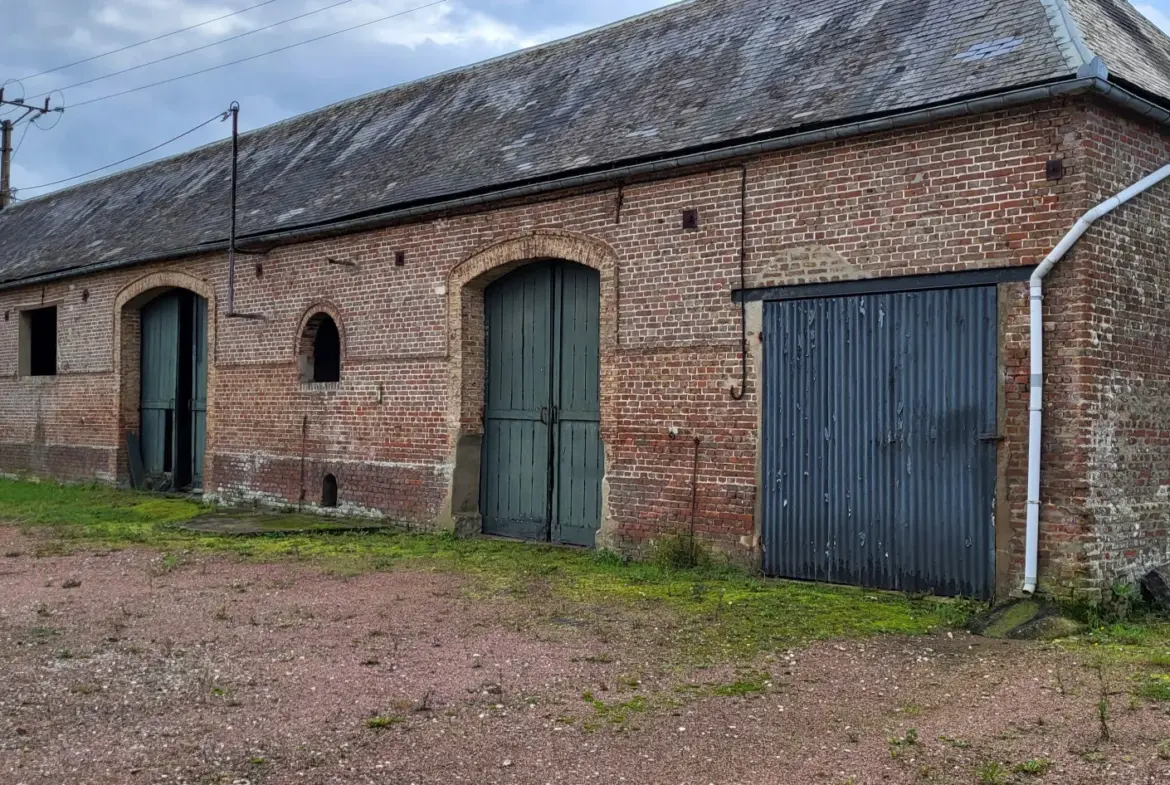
{"x": 1036, "y": 404}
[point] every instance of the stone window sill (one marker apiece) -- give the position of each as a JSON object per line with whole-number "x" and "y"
{"x": 320, "y": 387}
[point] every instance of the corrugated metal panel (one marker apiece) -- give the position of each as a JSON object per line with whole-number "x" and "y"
{"x": 877, "y": 469}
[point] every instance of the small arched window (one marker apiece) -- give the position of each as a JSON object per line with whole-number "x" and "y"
{"x": 329, "y": 491}
{"x": 321, "y": 350}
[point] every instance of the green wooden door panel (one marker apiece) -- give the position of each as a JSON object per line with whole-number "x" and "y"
{"x": 199, "y": 392}
{"x": 159, "y": 383}
{"x": 541, "y": 464}
{"x": 577, "y": 457}
{"x": 515, "y": 470}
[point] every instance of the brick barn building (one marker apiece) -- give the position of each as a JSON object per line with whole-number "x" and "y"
{"x": 755, "y": 267}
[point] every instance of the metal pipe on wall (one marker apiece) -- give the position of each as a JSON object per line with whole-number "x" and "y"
{"x": 694, "y": 500}
{"x": 738, "y": 394}
{"x": 1036, "y": 399}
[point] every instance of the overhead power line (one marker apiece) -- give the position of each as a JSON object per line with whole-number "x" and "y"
{"x": 230, "y": 38}
{"x": 19, "y": 144}
{"x": 148, "y": 41}
{"x": 257, "y": 56}
{"x": 220, "y": 116}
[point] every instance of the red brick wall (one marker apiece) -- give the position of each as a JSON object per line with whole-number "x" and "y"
{"x": 959, "y": 195}
{"x": 1126, "y": 404}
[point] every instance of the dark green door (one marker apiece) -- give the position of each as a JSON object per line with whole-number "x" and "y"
{"x": 160, "y": 382}
{"x": 542, "y": 460}
{"x": 576, "y": 420}
{"x": 198, "y": 391}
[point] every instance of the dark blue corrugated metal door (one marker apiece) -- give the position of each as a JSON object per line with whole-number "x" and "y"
{"x": 879, "y": 466}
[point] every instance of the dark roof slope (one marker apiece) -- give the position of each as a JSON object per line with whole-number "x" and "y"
{"x": 699, "y": 73}
{"x": 1133, "y": 47}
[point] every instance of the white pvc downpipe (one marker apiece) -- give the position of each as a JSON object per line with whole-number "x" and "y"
{"x": 1036, "y": 403}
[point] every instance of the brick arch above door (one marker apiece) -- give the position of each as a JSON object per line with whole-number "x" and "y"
{"x": 466, "y": 343}
{"x": 126, "y": 316}
{"x": 465, "y": 286}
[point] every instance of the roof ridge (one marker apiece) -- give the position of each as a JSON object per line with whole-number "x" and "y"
{"x": 1067, "y": 34}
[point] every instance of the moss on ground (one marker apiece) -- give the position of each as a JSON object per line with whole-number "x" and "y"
{"x": 715, "y": 613}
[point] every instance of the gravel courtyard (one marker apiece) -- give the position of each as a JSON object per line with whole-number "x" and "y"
{"x": 142, "y": 665}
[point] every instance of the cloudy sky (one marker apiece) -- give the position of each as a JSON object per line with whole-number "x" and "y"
{"x": 44, "y": 34}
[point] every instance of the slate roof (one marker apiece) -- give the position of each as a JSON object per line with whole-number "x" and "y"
{"x": 1132, "y": 46}
{"x": 695, "y": 74}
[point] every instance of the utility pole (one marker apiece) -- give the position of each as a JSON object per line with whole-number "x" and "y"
{"x": 5, "y": 161}
{"x": 6, "y": 127}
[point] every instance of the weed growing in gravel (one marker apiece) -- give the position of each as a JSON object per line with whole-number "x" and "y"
{"x": 747, "y": 684}
{"x": 616, "y": 714}
{"x": 992, "y": 772}
{"x": 383, "y": 721}
{"x": 1164, "y": 750}
{"x": 1037, "y": 767}
{"x": 958, "y": 744}
{"x": 899, "y": 744}
{"x": 1103, "y": 718}
{"x": 1103, "y": 704}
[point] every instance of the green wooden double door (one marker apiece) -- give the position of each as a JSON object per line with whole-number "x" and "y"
{"x": 173, "y": 402}
{"x": 542, "y": 461}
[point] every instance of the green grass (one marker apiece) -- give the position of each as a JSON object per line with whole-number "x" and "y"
{"x": 713, "y": 613}
{"x": 383, "y": 722}
{"x": 1155, "y": 687}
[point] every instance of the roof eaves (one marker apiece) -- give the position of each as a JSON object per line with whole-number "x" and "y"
{"x": 1069, "y": 40}
{"x": 650, "y": 169}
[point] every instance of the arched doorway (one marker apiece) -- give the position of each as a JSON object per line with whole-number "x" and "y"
{"x": 173, "y": 391}
{"x": 542, "y": 462}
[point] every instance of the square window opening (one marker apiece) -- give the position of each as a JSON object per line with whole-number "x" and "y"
{"x": 38, "y": 342}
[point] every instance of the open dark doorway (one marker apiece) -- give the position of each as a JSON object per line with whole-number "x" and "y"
{"x": 173, "y": 408}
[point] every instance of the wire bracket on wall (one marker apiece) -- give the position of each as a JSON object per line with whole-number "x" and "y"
{"x": 249, "y": 317}
{"x": 342, "y": 262}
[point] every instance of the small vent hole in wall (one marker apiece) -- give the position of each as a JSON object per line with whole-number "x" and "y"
{"x": 329, "y": 491}
{"x": 690, "y": 220}
{"x": 399, "y": 258}
{"x": 259, "y": 270}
